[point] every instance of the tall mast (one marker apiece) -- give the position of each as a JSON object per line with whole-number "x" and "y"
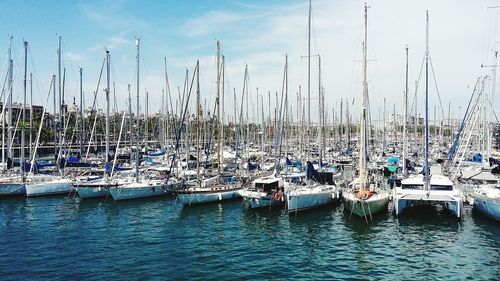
{"x": 341, "y": 128}
{"x": 406, "y": 116}
{"x": 9, "y": 118}
{"x": 384, "y": 132}
{"x": 309, "y": 75}
{"x": 107, "y": 110}
{"x": 31, "y": 114}
{"x": 146, "y": 127}
{"x": 223, "y": 69}
{"x": 138, "y": 41}
{"x": 219, "y": 127}
{"x": 130, "y": 121}
{"x": 23, "y": 107}
{"x": 55, "y": 112}
{"x": 426, "y": 171}
{"x": 162, "y": 112}
{"x": 60, "y": 126}
{"x": 82, "y": 121}
{"x": 320, "y": 125}
{"x": 167, "y": 97}
{"x": 198, "y": 123}
{"x": 362, "y": 146}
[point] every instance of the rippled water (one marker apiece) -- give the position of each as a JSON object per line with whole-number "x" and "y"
{"x": 65, "y": 238}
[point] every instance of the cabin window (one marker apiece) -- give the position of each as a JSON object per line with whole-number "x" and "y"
{"x": 441, "y": 187}
{"x": 412, "y": 186}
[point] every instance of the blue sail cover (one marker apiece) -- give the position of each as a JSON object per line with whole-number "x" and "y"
{"x": 107, "y": 168}
{"x": 477, "y": 157}
{"x": 252, "y": 167}
{"x": 73, "y": 159}
{"x": 157, "y": 153}
{"x": 296, "y": 163}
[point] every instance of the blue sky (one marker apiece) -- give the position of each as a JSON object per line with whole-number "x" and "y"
{"x": 257, "y": 33}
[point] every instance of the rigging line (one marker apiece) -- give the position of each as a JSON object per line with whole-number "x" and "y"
{"x": 435, "y": 84}
{"x": 416, "y": 88}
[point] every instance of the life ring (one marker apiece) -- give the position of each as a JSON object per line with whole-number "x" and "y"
{"x": 277, "y": 196}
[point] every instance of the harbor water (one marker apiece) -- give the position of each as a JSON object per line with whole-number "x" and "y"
{"x": 64, "y": 238}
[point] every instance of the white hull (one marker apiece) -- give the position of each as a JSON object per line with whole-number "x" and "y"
{"x": 306, "y": 198}
{"x": 49, "y": 187}
{"x": 452, "y": 204}
{"x": 255, "y": 199}
{"x": 92, "y": 191}
{"x": 487, "y": 201}
{"x": 138, "y": 190}
{"x": 442, "y": 193}
{"x": 207, "y": 195}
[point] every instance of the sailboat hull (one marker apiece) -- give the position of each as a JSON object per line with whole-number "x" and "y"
{"x": 138, "y": 190}
{"x": 199, "y": 197}
{"x": 12, "y": 189}
{"x": 92, "y": 191}
{"x": 51, "y": 187}
{"x": 488, "y": 206}
{"x": 309, "y": 198}
{"x": 365, "y": 208}
{"x": 255, "y": 200}
{"x": 455, "y": 207}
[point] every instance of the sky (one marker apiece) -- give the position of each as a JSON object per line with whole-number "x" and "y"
{"x": 258, "y": 34}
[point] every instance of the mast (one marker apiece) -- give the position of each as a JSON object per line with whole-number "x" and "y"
{"x": 82, "y": 121}
{"x": 198, "y": 123}
{"x": 31, "y": 114}
{"x": 362, "y": 143}
{"x": 55, "y": 113}
{"x": 23, "y": 107}
{"x": 320, "y": 124}
{"x": 383, "y": 137}
{"x": 405, "y": 172}
{"x": 223, "y": 69}
{"x": 341, "y": 128}
{"x": 9, "y": 117}
{"x": 130, "y": 121}
{"x": 219, "y": 141}
{"x": 167, "y": 92}
{"x": 137, "y": 42}
{"x": 309, "y": 76}
{"x": 146, "y": 133}
{"x": 60, "y": 126}
{"x": 426, "y": 171}
{"x": 107, "y": 111}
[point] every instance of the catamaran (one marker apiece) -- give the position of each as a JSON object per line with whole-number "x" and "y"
{"x": 430, "y": 187}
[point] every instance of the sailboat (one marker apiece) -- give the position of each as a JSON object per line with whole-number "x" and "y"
{"x": 149, "y": 185}
{"x": 314, "y": 193}
{"x": 50, "y": 184}
{"x": 90, "y": 187}
{"x": 10, "y": 184}
{"x": 211, "y": 189}
{"x": 365, "y": 195}
{"x": 427, "y": 189}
